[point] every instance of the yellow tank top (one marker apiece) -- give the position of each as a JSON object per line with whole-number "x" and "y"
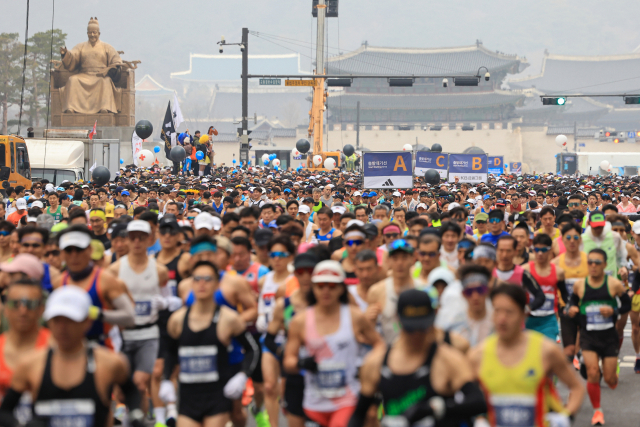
{"x": 572, "y": 274}
{"x": 515, "y": 394}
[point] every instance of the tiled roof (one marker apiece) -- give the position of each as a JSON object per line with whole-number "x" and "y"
{"x": 585, "y": 75}
{"x": 621, "y": 119}
{"x": 283, "y": 133}
{"x": 453, "y": 61}
{"x": 281, "y": 105}
{"x": 568, "y": 130}
{"x": 148, "y": 86}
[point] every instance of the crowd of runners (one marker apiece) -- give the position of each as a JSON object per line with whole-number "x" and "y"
{"x": 205, "y": 300}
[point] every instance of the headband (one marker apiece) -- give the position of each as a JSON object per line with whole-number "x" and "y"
{"x": 484, "y": 252}
{"x": 392, "y": 228}
{"x": 354, "y": 235}
{"x": 99, "y": 214}
{"x": 475, "y": 278}
{"x": 203, "y": 247}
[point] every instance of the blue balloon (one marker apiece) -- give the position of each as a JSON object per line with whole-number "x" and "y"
{"x": 272, "y": 156}
{"x": 276, "y": 167}
{"x": 199, "y": 155}
{"x": 182, "y": 136}
{"x": 156, "y": 149}
{"x": 234, "y": 161}
{"x": 121, "y": 161}
{"x": 266, "y": 162}
{"x": 233, "y": 171}
{"x": 249, "y": 162}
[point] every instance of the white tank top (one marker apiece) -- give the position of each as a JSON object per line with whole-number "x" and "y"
{"x": 335, "y": 385}
{"x": 267, "y": 301}
{"x": 143, "y": 287}
{"x": 353, "y": 290}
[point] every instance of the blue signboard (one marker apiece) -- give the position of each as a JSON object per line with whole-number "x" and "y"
{"x": 387, "y": 169}
{"x": 496, "y": 165}
{"x": 468, "y": 167}
{"x": 515, "y": 167}
{"x": 426, "y": 160}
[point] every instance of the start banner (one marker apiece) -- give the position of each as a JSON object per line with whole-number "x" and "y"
{"x": 426, "y": 160}
{"x": 496, "y": 165}
{"x": 387, "y": 169}
{"x": 468, "y": 167}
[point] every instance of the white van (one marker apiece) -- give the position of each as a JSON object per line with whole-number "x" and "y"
{"x": 56, "y": 160}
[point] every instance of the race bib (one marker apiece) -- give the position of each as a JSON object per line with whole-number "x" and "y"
{"x": 198, "y": 364}
{"x": 547, "y": 308}
{"x": 595, "y": 320}
{"x": 24, "y": 410}
{"x": 143, "y": 308}
{"x": 514, "y": 411}
{"x": 570, "y": 283}
{"x": 173, "y": 285}
{"x": 66, "y": 412}
{"x": 332, "y": 379}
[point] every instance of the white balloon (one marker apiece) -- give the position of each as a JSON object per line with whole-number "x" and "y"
{"x": 317, "y": 160}
{"x": 265, "y": 157}
{"x": 145, "y": 158}
{"x": 329, "y": 163}
{"x": 275, "y": 162}
{"x": 295, "y": 153}
{"x": 561, "y": 141}
{"x": 407, "y": 147}
{"x": 604, "y": 165}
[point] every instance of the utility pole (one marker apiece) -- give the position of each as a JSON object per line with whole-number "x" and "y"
{"x": 575, "y": 138}
{"x": 357, "y": 126}
{"x": 244, "y": 140}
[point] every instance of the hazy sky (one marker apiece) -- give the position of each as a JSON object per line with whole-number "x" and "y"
{"x": 162, "y": 33}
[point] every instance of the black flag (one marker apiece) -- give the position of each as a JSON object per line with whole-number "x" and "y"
{"x": 168, "y": 132}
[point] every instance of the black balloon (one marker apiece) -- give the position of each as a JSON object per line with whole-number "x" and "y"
{"x": 144, "y": 129}
{"x": 432, "y": 177}
{"x": 436, "y": 148}
{"x": 348, "y": 150}
{"x": 303, "y": 145}
{"x": 178, "y": 154}
{"x": 100, "y": 176}
{"x": 473, "y": 150}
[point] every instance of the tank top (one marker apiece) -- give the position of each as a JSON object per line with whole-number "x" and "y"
{"x": 252, "y": 275}
{"x": 267, "y": 301}
{"x": 204, "y": 361}
{"x": 143, "y": 287}
{"x": 79, "y": 406}
{"x": 334, "y": 386}
{"x": 512, "y": 277}
{"x": 591, "y": 321}
{"x": 99, "y": 329}
{"x": 326, "y": 237}
{"x": 174, "y": 274}
{"x": 24, "y": 410}
{"x": 362, "y": 304}
{"x": 572, "y": 274}
{"x": 561, "y": 248}
{"x": 548, "y": 286}
{"x": 57, "y": 215}
{"x": 515, "y": 394}
{"x": 351, "y": 279}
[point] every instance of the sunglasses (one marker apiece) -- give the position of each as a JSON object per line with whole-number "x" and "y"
{"x": 31, "y": 245}
{"x": 4, "y": 233}
{"x": 29, "y": 304}
{"x": 542, "y": 250}
{"x": 326, "y": 285}
{"x": 428, "y": 254}
{"x": 480, "y": 222}
{"x": 495, "y": 220}
{"x": 595, "y": 261}
{"x": 391, "y": 235}
{"x": 301, "y": 271}
{"x": 166, "y": 230}
{"x": 202, "y": 278}
{"x": 354, "y": 242}
{"x": 574, "y": 205}
{"x": 480, "y": 290}
{"x": 279, "y": 254}
{"x": 574, "y": 237}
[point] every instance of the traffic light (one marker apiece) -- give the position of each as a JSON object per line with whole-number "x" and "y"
{"x": 399, "y": 82}
{"x": 632, "y": 100}
{"x": 554, "y": 101}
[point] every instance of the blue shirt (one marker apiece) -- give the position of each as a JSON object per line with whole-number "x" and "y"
{"x": 493, "y": 238}
{"x": 218, "y": 209}
{"x": 155, "y": 248}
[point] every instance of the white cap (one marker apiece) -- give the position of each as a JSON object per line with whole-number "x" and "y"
{"x": 217, "y": 222}
{"x": 21, "y": 203}
{"x": 76, "y": 239}
{"x": 636, "y": 227}
{"x": 328, "y": 271}
{"x": 453, "y": 205}
{"x": 421, "y": 205}
{"x": 139, "y": 225}
{"x": 396, "y": 194}
{"x": 203, "y": 220}
{"x": 71, "y": 302}
{"x": 49, "y": 187}
{"x": 304, "y": 209}
{"x": 357, "y": 193}
{"x": 338, "y": 209}
{"x": 355, "y": 222}
{"x": 329, "y": 185}
{"x": 32, "y": 219}
{"x": 37, "y": 204}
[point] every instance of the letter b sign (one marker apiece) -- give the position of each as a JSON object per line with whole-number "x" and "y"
{"x": 476, "y": 163}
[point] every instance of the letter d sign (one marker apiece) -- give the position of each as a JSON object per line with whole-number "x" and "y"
{"x": 476, "y": 163}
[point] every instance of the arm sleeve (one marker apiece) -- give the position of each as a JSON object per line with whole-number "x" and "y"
{"x": 635, "y": 285}
{"x": 360, "y": 413}
{"x": 9, "y": 403}
{"x": 562, "y": 287}
{"x": 251, "y": 352}
{"x": 270, "y": 343}
{"x": 467, "y": 403}
{"x": 123, "y": 313}
{"x": 532, "y": 286}
{"x": 625, "y": 303}
{"x": 574, "y": 300}
{"x": 170, "y": 357}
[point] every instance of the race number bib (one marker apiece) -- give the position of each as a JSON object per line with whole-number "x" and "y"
{"x": 198, "y": 364}
{"x": 514, "y": 411}
{"x": 547, "y": 308}
{"x": 66, "y": 412}
{"x": 143, "y": 308}
{"x": 332, "y": 379}
{"x": 595, "y": 320}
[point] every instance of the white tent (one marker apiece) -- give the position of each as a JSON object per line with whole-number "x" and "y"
{"x": 59, "y": 154}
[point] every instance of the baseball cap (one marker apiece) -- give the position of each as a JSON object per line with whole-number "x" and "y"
{"x": 596, "y": 219}
{"x": 217, "y": 222}
{"x": 421, "y": 205}
{"x": 125, "y": 193}
{"x": 328, "y": 271}
{"x": 169, "y": 220}
{"x": 501, "y": 202}
{"x": 21, "y": 204}
{"x": 486, "y": 196}
{"x": 262, "y": 236}
{"x": 76, "y": 239}
{"x": 373, "y": 194}
{"x": 338, "y": 209}
{"x": 24, "y": 263}
{"x": 71, "y": 302}
{"x": 396, "y": 194}
{"x": 108, "y": 210}
{"x": 37, "y": 204}
{"x": 305, "y": 260}
{"x": 224, "y": 244}
{"x": 636, "y": 227}
{"x": 400, "y": 245}
{"x": 482, "y": 216}
{"x": 304, "y": 209}
{"x": 203, "y": 220}
{"x": 139, "y": 225}
{"x": 119, "y": 230}
{"x": 97, "y": 250}
{"x": 415, "y": 310}
{"x": 357, "y": 193}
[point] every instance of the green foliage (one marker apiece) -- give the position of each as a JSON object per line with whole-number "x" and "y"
{"x": 11, "y": 51}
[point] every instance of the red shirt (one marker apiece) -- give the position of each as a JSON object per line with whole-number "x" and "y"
{"x": 14, "y": 217}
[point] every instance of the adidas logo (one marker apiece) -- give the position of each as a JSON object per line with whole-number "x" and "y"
{"x": 388, "y": 183}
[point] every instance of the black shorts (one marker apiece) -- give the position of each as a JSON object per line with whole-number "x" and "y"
{"x": 569, "y": 327}
{"x": 293, "y": 394}
{"x": 163, "y": 346}
{"x": 256, "y": 376}
{"x": 603, "y": 343}
{"x": 198, "y": 404}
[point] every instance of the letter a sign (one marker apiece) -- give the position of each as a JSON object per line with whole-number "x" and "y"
{"x": 388, "y": 170}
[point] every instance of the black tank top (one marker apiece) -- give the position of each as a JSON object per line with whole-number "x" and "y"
{"x": 79, "y": 406}
{"x": 174, "y": 280}
{"x": 351, "y": 278}
{"x": 204, "y": 360}
{"x": 591, "y": 321}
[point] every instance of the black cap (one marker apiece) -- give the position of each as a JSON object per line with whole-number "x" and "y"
{"x": 371, "y": 230}
{"x": 415, "y": 310}
{"x": 305, "y": 260}
{"x": 119, "y": 230}
{"x": 262, "y": 236}
{"x": 169, "y": 220}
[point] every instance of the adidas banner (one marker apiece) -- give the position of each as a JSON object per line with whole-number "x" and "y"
{"x": 388, "y": 170}
{"x": 426, "y": 160}
{"x": 468, "y": 167}
{"x": 496, "y": 165}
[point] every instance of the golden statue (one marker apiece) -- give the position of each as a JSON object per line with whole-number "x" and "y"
{"x": 97, "y": 65}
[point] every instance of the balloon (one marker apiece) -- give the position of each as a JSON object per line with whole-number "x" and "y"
{"x": 303, "y": 145}
{"x": 200, "y": 155}
{"x": 265, "y": 157}
{"x": 156, "y": 149}
{"x": 266, "y": 162}
{"x": 604, "y": 165}
{"x": 177, "y": 154}
{"x": 407, "y": 147}
{"x": 348, "y": 150}
{"x": 436, "y": 148}
{"x": 329, "y": 163}
{"x": 561, "y": 141}
{"x": 144, "y": 129}
{"x": 145, "y": 158}
{"x": 100, "y": 176}
{"x": 276, "y": 167}
{"x": 233, "y": 161}
{"x": 317, "y": 160}
{"x": 275, "y": 162}
{"x": 182, "y": 136}
{"x": 121, "y": 161}
{"x": 432, "y": 176}
{"x": 204, "y": 139}
{"x": 295, "y": 153}
{"x": 272, "y": 156}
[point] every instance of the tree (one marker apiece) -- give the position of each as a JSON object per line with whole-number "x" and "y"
{"x": 11, "y": 55}
{"x": 39, "y": 55}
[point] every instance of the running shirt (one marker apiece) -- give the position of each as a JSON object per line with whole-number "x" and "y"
{"x": 57, "y": 215}
{"x": 267, "y": 301}
{"x": 326, "y": 237}
{"x": 591, "y": 321}
{"x": 548, "y": 285}
{"x": 143, "y": 287}
{"x": 99, "y": 330}
{"x": 572, "y": 274}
